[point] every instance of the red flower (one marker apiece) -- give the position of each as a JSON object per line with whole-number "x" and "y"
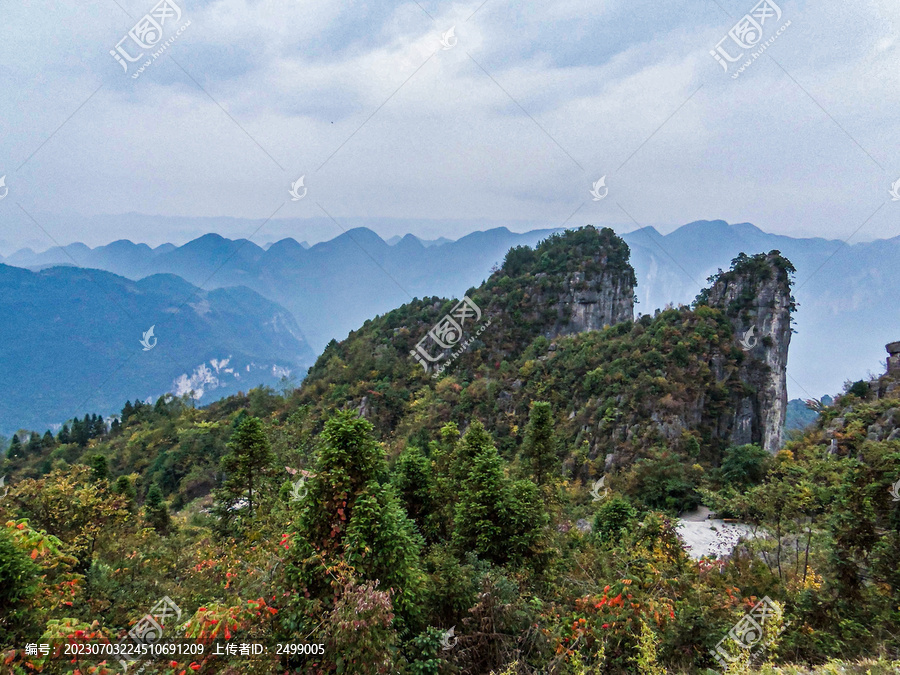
{"x": 606, "y": 625}
{"x": 174, "y": 664}
{"x": 194, "y": 666}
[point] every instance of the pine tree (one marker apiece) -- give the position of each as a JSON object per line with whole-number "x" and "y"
{"x": 99, "y": 427}
{"x": 414, "y": 483}
{"x": 127, "y": 411}
{"x": 246, "y": 465}
{"x": 382, "y": 544}
{"x": 125, "y": 488}
{"x": 348, "y": 459}
{"x": 15, "y": 448}
{"x": 480, "y": 511}
{"x": 34, "y": 444}
{"x": 497, "y": 518}
{"x": 48, "y": 441}
{"x": 99, "y": 467}
{"x": 63, "y": 435}
{"x": 473, "y": 443}
{"x": 155, "y": 511}
{"x": 540, "y": 449}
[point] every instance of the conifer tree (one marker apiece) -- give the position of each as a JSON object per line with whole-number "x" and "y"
{"x": 99, "y": 467}
{"x": 415, "y": 484}
{"x": 15, "y": 447}
{"x": 540, "y": 449}
{"x": 34, "y": 444}
{"x": 155, "y": 511}
{"x": 497, "y": 518}
{"x": 246, "y": 465}
{"x": 63, "y": 435}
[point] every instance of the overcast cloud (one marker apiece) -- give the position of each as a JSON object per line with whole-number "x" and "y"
{"x": 533, "y": 103}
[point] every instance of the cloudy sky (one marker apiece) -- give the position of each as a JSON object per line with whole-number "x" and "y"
{"x": 510, "y": 120}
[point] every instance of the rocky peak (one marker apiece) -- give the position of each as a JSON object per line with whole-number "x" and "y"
{"x": 572, "y": 282}
{"x": 756, "y": 297}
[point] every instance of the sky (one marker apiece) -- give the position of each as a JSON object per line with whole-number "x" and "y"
{"x": 509, "y": 118}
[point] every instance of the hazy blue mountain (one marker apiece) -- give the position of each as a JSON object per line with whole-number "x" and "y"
{"x": 331, "y": 287}
{"x": 799, "y": 416}
{"x": 71, "y": 342}
{"x": 847, "y": 293}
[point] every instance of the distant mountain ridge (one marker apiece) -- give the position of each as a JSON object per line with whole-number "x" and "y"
{"x": 333, "y": 286}
{"x": 72, "y": 342}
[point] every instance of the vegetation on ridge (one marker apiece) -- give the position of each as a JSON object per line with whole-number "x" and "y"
{"x": 468, "y": 503}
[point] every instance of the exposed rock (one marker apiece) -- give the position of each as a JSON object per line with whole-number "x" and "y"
{"x": 584, "y": 526}
{"x": 756, "y": 297}
{"x": 585, "y": 305}
{"x": 893, "y": 360}
{"x": 363, "y": 409}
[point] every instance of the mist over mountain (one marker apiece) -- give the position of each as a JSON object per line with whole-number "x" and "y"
{"x": 334, "y": 286}
{"x": 72, "y": 341}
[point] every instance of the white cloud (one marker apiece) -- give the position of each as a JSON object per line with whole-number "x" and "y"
{"x": 301, "y": 77}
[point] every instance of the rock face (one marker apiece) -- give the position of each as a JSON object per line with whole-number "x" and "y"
{"x": 893, "y": 361}
{"x": 584, "y": 305}
{"x": 756, "y": 297}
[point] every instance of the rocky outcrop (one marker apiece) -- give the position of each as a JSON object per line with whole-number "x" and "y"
{"x": 893, "y": 361}
{"x": 756, "y": 296}
{"x": 590, "y": 305}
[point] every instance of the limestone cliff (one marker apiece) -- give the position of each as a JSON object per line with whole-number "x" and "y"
{"x": 756, "y": 297}
{"x": 606, "y": 300}
{"x": 572, "y": 282}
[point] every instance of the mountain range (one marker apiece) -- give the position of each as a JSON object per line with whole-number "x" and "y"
{"x": 77, "y": 340}
{"x": 333, "y": 287}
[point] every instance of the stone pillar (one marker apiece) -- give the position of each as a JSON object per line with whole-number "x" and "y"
{"x": 893, "y": 361}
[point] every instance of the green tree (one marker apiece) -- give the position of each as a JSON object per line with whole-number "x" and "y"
{"x": 99, "y": 468}
{"x": 414, "y": 482}
{"x": 496, "y": 518}
{"x": 15, "y": 448}
{"x": 19, "y": 580}
{"x": 540, "y": 449}
{"x": 613, "y": 516}
{"x": 156, "y": 513}
{"x": 125, "y": 487}
{"x": 34, "y": 444}
{"x": 383, "y": 545}
{"x": 744, "y": 465}
{"x": 246, "y": 466}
